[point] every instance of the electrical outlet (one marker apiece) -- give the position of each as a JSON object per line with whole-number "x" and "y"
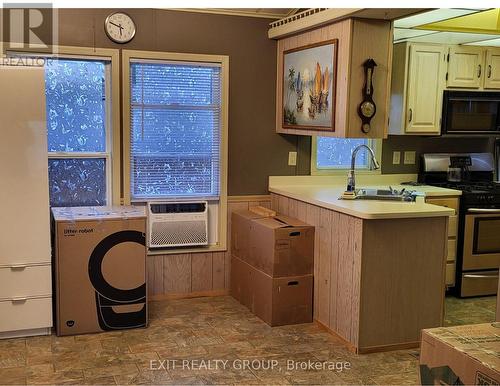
{"x": 409, "y": 158}
{"x": 292, "y": 158}
{"x": 396, "y": 157}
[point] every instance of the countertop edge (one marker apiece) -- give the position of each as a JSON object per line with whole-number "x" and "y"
{"x": 444, "y": 212}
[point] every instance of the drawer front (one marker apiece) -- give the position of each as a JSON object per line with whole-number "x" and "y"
{"x": 25, "y": 281}
{"x": 450, "y": 274}
{"x": 452, "y": 250}
{"x": 448, "y": 202}
{"x": 25, "y": 315}
{"x": 452, "y": 226}
{"x": 479, "y": 283}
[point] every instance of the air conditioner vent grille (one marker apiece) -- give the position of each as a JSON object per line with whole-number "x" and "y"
{"x": 177, "y": 224}
{"x": 179, "y": 233}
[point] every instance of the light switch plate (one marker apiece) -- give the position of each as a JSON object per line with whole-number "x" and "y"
{"x": 409, "y": 158}
{"x": 292, "y": 158}
{"x": 396, "y": 157}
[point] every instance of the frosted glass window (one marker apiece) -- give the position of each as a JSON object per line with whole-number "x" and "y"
{"x": 175, "y": 129}
{"x": 75, "y": 105}
{"x": 335, "y": 153}
{"x": 77, "y": 182}
{"x": 77, "y": 113}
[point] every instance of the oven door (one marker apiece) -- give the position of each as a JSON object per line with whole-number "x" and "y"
{"x": 481, "y": 239}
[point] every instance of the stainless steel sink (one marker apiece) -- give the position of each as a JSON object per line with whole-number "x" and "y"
{"x": 385, "y": 195}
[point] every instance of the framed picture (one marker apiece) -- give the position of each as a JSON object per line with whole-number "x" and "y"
{"x": 309, "y": 86}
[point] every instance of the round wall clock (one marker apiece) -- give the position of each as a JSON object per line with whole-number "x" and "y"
{"x": 120, "y": 27}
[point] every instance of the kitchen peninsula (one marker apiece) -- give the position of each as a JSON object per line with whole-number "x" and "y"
{"x": 379, "y": 266}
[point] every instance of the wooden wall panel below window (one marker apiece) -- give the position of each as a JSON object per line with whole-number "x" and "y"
{"x": 197, "y": 274}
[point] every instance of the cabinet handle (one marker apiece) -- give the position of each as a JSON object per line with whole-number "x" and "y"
{"x": 18, "y": 267}
{"x": 489, "y": 71}
{"x": 19, "y": 300}
{"x": 410, "y": 115}
{"x": 479, "y": 71}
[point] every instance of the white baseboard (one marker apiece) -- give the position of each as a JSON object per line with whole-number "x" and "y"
{"x": 24, "y": 333}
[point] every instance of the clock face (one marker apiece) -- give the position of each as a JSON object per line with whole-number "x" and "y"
{"x": 368, "y": 109}
{"x": 120, "y": 27}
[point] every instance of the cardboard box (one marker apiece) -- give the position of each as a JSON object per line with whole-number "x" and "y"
{"x": 497, "y": 318}
{"x": 240, "y": 232}
{"x": 278, "y": 246}
{"x": 461, "y": 355}
{"x": 100, "y": 269}
{"x": 277, "y": 301}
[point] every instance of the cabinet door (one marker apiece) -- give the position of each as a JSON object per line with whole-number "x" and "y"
{"x": 492, "y": 68}
{"x": 23, "y": 167}
{"x": 425, "y": 89}
{"x": 465, "y": 67}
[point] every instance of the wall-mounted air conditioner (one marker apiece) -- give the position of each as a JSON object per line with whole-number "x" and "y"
{"x": 177, "y": 224}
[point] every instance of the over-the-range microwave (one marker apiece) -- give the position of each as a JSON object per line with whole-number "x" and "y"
{"x": 471, "y": 113}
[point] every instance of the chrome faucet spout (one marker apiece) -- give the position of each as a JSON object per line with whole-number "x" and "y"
{"x": 351, "y": 180}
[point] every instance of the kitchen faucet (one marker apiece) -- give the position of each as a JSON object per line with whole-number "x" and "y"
{"x": 351, "y": 181}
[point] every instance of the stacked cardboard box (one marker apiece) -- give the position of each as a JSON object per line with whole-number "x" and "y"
{"x": 272, "y": 265}
{"x": 461, "y": 355}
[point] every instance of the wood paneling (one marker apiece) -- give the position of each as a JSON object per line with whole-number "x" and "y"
{"x": 177, "y": 273}
{"x": 196, "y": 274}
{"x": 312, "y": 218}
{"x": 334, "y": 280}
{"x": 325, "y": 256}
{"x": 218, "y": 277}
{"x": 201, "y": 272}
{"x": 345, "y": 285}
{"x": 402, "y": 279}
{"x": 155, "y": 275}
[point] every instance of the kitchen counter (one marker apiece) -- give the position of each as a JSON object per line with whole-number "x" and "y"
{"x": 327, "y": 196}
{"x": 379, "y": 266}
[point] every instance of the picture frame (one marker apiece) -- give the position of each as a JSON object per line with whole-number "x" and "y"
{"x": 309, "y": 79}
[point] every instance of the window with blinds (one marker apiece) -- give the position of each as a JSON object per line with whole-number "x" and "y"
{"x": 175, "y": 129}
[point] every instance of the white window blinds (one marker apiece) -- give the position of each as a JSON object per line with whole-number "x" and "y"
{"x": 175, "y": 129}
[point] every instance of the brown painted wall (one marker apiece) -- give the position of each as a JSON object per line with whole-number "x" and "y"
{"x": 423, "y": 145}
{"x": 255, "y": 150}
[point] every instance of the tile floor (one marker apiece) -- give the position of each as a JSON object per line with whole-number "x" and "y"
{"x": 194, "y": 330}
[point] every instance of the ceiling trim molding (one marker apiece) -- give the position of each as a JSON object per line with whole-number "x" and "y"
{"x": 231, "y": 12}
{"x": 315, "y": 17}
{"x": 310, "y": 18}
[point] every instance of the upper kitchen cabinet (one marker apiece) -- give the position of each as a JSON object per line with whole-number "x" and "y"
{"x": 465, "y": 67}
{"x": 418, "y": 77}
{"x": 473, "y": 67}
{"x": 492, "y": 69}
{"x": 322, "y": 79}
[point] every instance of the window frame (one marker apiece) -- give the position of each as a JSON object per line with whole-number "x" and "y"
{"x": 106, "y": 155}
{"x": 113, "y": 144}
{"x": 214, "y": 182}
{"x": 129, "y": 56}
{"x": 375, "y": 144}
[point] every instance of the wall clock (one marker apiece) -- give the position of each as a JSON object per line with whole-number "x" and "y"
{"x": 120, "y": 27}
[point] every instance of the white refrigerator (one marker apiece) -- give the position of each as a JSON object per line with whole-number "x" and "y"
{"x": 25, "y": 251}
